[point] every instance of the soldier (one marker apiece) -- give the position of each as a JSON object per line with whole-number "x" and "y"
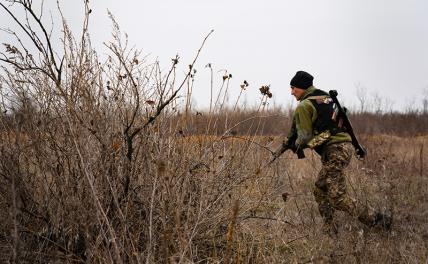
{"x": 315, "y": 126}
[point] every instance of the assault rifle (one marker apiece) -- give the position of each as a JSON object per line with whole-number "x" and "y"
{"x": 289, "y": 145}
{"x": 359, "y": 149}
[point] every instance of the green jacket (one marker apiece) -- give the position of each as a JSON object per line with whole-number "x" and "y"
{"x": 303, "y": 120}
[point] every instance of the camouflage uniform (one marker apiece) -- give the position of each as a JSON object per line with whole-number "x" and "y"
{"x": 330, "y": 188}
{"x": 336, "y": 152}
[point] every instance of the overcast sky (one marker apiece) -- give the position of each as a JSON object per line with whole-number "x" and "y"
{"x": 377, "y": 44}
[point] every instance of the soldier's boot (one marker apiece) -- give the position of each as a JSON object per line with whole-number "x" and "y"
{"x": 383, "y": 220}
{"x": 376, "y": 219}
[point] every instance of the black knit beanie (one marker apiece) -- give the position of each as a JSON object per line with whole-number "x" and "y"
{"x": 302, "y": 80}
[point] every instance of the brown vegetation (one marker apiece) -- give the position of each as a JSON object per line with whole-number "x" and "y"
{"x": 98, "y": 164}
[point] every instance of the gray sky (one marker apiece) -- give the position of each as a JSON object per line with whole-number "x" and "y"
{"x": 376, "y": 44}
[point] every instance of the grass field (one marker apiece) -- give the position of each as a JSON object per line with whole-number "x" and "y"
{"x": 210, "y": 199}
{"x": 101, "y": 161}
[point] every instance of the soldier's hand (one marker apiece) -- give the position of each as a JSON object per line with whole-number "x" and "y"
{"x": 291, "y": 145}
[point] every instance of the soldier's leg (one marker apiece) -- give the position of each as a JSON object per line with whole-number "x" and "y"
{"x": 324, "y": 207}
{"x": 335, "y": 160}
{"x": 340, "y": 200}
{"x": 337, "y": 193}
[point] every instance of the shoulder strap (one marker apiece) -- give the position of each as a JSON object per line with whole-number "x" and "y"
{"x": 316, "y": 97}
{"x": 317, "y": 92}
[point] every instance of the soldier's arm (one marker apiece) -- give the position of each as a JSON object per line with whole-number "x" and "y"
{"x": 305, "y": 115}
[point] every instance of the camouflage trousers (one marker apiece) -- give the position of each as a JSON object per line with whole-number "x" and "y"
{"x": 330, "y": 188}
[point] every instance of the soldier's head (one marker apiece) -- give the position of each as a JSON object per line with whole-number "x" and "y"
{"x": 299, "y": 83}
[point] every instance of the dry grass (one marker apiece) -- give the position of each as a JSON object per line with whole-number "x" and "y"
{"x": 184, "y": 198}
{"x": 99, "y": 164}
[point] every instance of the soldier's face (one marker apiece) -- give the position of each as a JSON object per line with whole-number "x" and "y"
{"x": 297, "y": 92}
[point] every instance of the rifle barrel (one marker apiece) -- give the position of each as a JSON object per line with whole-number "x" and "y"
{"x": 359, "y": 149}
